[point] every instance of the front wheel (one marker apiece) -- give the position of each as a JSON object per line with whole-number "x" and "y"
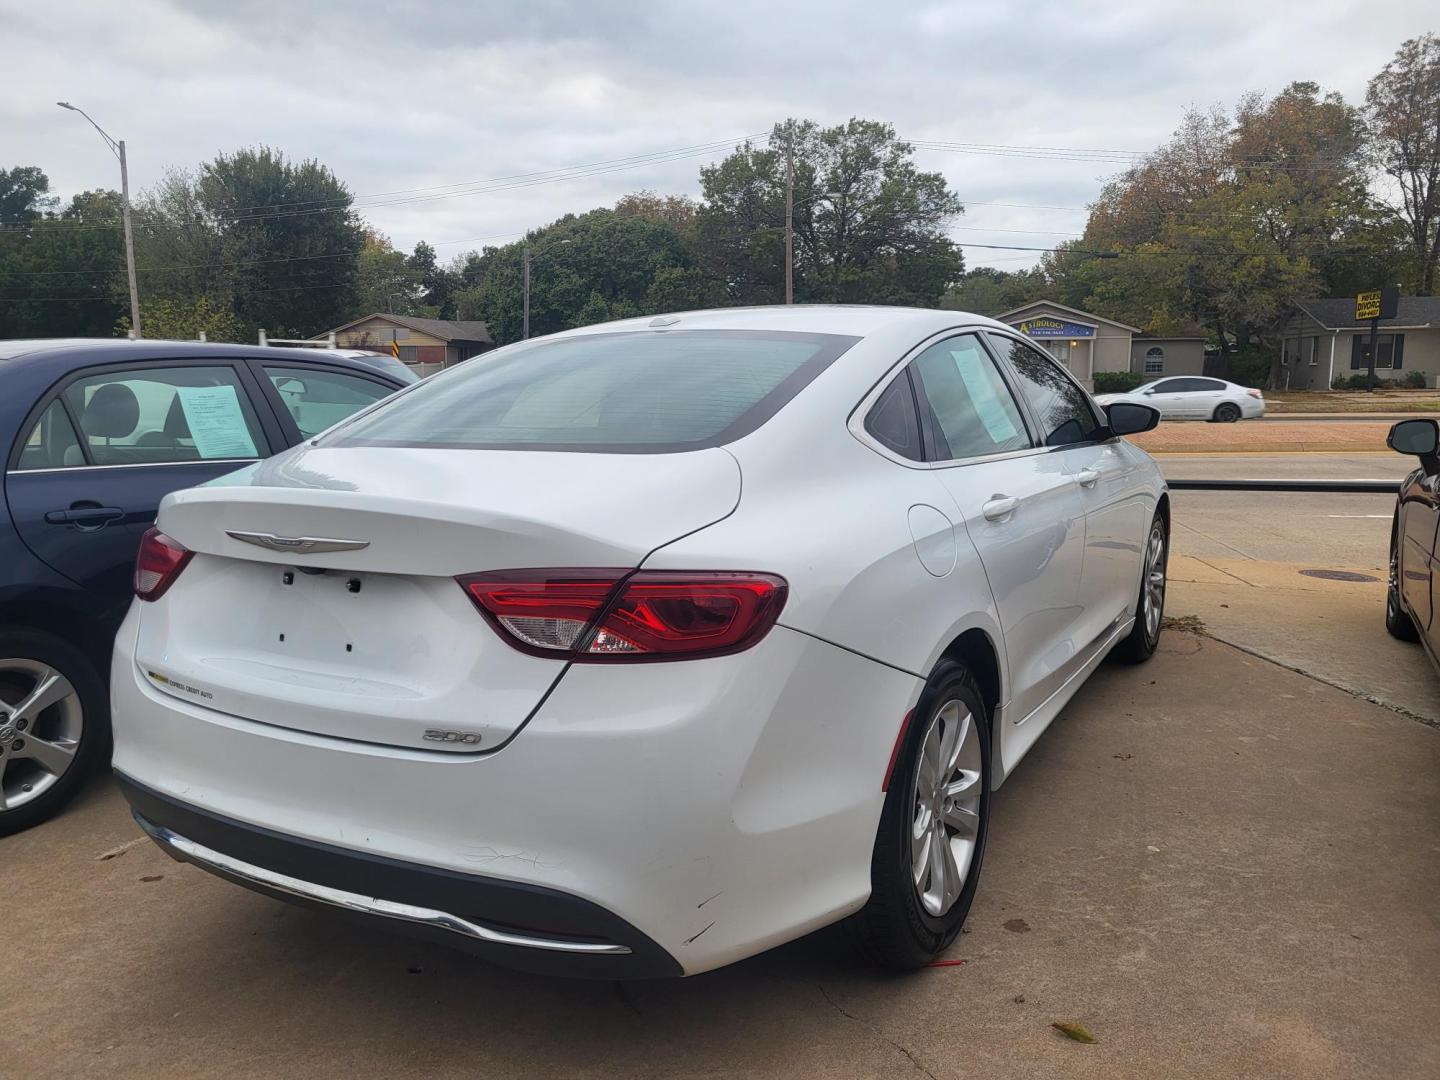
{"x": 53, "y": 726}
{"x": 1144, "y": 637}
{"x": 1227, "y": 412}
{"x": 926, "y": 864}
{"x": 1400, "y": 625}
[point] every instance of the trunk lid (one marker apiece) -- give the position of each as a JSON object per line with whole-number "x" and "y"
{"x": 378, "y": 642}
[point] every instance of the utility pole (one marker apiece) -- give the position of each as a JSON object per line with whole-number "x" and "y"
{"x": 118, "y": 149}
{"x": 525, "y": 288}
{"x": 789, "y": 223}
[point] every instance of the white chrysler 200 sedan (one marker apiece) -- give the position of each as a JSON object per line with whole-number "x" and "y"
{"x": 642, "y": 648}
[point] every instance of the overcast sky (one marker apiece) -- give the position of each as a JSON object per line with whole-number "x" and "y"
{"x": 415, "y": 94}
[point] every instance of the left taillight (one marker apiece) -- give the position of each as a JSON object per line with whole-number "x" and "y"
{"x": 1256, "y": 394}
{"x": 615, "y": 616}
{"x": 158, "y": 564}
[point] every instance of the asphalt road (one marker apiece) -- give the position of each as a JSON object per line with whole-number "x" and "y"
{"x": 1220, "y": 867}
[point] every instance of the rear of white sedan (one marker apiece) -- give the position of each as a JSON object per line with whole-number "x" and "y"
{"x": 597, "y": 655}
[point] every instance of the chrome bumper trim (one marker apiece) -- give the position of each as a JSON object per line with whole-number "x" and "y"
{"x": 190, "y": 851}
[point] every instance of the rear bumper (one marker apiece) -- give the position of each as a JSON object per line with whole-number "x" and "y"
{"x": 512, "y": 923}
{"x": 712, "y": 809}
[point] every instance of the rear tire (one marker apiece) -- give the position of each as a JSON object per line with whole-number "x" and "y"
{"x": 46, "y": 752}
{"x": 1144, "y": 637}
{"x": 908, "y": 922}
{"x": 1227, "y": 412}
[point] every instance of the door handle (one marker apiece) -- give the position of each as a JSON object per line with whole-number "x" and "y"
{"x": 1088, "y": 477}
{"x": 999, "y": 507}
{"x": 93, "y": 516}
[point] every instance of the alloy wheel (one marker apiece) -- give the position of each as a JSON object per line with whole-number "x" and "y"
{"x": 1154, "y": 600}
{"x": 41, "y": 723}
{"x": 946, "y": 820}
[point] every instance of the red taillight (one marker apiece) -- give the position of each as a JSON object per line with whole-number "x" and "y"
{"x": 603, "y": 616}
{"x": 1255, "y": 394}
{"x": 159, "y": 563}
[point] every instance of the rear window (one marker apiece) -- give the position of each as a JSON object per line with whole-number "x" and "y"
{"x": 639, "y": 392}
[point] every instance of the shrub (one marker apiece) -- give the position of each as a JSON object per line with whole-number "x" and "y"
{"x": 1339, "y": 382}
{"x": 1414, "y": 380}
{"x": 1250, "y": 366}
{"x": 1117, "y": 382}
{"x": 1361, "y": 382}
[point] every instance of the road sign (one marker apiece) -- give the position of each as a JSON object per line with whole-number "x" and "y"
{"x": 1367, "y": 306}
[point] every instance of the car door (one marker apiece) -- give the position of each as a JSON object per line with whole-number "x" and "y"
{"x": 1419, "y": 518}
{"x": 1112, "y": 486}
{"x": 1165, "y": 395}
{"x": 1019, "y": 504}
{"x": 103, "y": 447}
{"x": 1105, "y": 484}
{"x": 309, "y": 398}
{"x": 1205, "y": 395}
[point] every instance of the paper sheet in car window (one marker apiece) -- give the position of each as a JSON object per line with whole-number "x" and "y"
{"x": 988, "y": 406}
{"x": 216, "y": 422}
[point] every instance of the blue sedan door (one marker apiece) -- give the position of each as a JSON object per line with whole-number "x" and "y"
{"x": 103, "y": 447}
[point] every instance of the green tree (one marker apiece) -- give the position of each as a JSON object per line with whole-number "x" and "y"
{"x": 61, "y": 275}
{"x": 293, "y": 235}
{"x": 1403, "y": 105}
{"x": 988, "y": 291}
{"x": 585, "y": 269}
{"x": 24, "y": 194}
{"x": 185, "y": 319}
{"x": 868, "y": 224}
{"x": 385, "y": 281}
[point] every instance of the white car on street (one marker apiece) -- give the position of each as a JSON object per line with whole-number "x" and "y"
{"x": 642, "y": 648}
{"x": 1192, "y": 397}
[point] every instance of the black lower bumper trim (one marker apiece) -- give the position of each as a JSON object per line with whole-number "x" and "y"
{"x": 516, "y": 906}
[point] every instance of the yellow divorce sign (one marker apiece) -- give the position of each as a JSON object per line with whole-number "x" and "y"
{"x": 1367, "y": 306}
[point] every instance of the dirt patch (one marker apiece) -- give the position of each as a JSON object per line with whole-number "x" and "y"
{"x": 1189, "y": 624}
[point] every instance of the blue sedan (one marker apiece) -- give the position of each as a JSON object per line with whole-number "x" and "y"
{"x": 95, "y": 434}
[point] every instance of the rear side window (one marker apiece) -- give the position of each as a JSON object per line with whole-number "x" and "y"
{"x": 51, "y": 443}
{"x": 639, "y": 392}
{"x": 146, "y": 415}
{"x": 893, "y": 420}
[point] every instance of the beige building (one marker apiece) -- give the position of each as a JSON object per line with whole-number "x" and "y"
{"x": 1087, "y": 343}
{"x": 1321, "y": 340}
{"x": 427, "y": 345}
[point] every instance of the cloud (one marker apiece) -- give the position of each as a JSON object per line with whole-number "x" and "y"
{"x": 403, "y": 95}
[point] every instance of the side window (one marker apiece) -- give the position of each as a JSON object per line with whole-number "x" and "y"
{"x": 971, "y": 409}
{"x": 1063, "y": 409}
{"x": 147, "y": 415}
{"x": 51, "y": 443}
{"x": 1168, "y": 386}
{"x": 1209, "y": 385}
{"x": 317, "y": 399}
{"x": 894, "y": 420}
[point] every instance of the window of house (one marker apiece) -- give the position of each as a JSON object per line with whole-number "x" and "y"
{"x": 1155, "y": 361}
{"x": 1389, "y": 351}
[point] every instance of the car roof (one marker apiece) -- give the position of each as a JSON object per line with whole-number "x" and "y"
{"x": 855, "y": 320}
{"x": 83, "y": 352}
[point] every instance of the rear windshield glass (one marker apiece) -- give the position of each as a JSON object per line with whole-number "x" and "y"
{"x": 639, "y": 392}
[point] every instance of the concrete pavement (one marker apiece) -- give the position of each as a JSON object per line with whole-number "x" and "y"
{"x": 1220, "y": 867}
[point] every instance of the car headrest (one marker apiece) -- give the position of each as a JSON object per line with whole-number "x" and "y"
{"x": 112, "y": 412}
{"x": 176, "y": 424}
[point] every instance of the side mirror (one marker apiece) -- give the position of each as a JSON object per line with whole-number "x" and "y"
{"x": 1418, "y": 437}
{"x": 1148, "y": 392}
{"x": 290, "y": 386}
{"x": 1128, "y": 418}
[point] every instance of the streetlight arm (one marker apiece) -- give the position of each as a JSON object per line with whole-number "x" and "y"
{"x": 114, "y": 146}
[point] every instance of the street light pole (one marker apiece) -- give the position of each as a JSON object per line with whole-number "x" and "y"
{"x": 525, "y": 288}
{"x": 789, "y": 224}
{"x": 118, "y": 149}
{"x": 525, "y": 285}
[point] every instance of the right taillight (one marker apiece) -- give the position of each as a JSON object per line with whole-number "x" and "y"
{"x": 609, "y": 616}
{"x": 158, "y": 564}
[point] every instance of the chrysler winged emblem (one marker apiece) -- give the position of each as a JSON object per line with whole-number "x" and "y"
{"x": 297, "y": 545}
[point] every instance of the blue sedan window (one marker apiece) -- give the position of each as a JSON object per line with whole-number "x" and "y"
{"x": 51, "y": 443}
